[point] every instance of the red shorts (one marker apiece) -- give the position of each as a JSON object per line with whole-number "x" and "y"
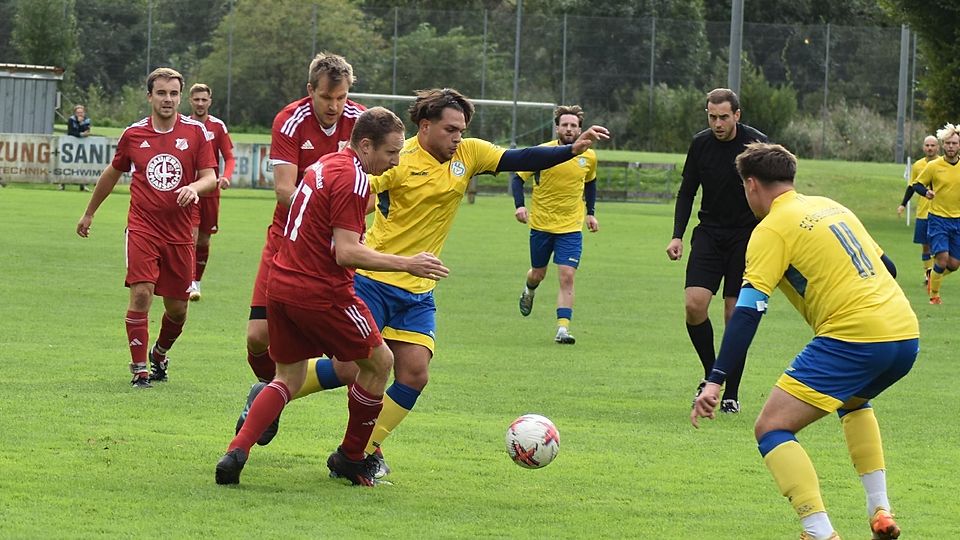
{"x": 168, "y": 266}
{"x": 266, "y": 264}
{"x": 206, "y": 213}
{"x": 347, "y": 332}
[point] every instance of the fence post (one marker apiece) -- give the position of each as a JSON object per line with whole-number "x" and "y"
{"x": 902, "y": 91}
{"x": 653, "y": 63}
{"x": 736, "y": 45}
{"x": 563, "y": 69}
{"x": 516, "y": 76}
{"x": 396, "y": 38}
{"x": 826, "y": 92}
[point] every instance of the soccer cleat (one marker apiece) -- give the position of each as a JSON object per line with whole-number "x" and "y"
{"x": 194, "y": 291}
{"x": 158, "y": 368}
{"x": 526, "y": 303}
{"x": 359, "y": 473}
{"x": 936, "y": 300}
{"x": 271, "y": 431}
{"x": 376, "y": 459}
{"x": 564, "y": 337}
{"x": 700, "y": 387}
{"x": 230, "y": 465}
{"x": 883, "y": 526}
{"x": 140, "y": 380}
{"x": 730, "y": 406}
{"x": 805, "y": 536}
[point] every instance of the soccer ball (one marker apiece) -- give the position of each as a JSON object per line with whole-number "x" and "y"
{"x": 533, "y": 441}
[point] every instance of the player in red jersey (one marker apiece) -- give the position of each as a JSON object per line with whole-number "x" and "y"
{"x": 313, "y": 307}
{"x": 172, "y": 164}
{"x": 303, "y": 132}
{"x": 207, "y": 212}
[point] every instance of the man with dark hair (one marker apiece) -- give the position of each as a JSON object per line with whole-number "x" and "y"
{"x": 172, "y": 164}
{"x": 208, "y": 211}
{"x": 557, "y": 216}
{"x": 314, "y": 309}
{"x": 866, "y": 336}
{"x": 416, "y": 204}
{"x": 719, "y": 241}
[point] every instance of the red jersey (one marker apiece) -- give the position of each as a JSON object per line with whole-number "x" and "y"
{"x": 333, "y": 193}
{"x": 298, "y": 138}
{"x": 222, "y": 148}
{"x": 161, "y": 163}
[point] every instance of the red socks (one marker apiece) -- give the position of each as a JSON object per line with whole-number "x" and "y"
{"x": 169, "y": 332}
{"x": 364, "y": 409}
{"x": 264, "y": 410}
{"x": 137, "y": 336}
{"x": 262, "y": 365}
{"x": 203, "y": 253}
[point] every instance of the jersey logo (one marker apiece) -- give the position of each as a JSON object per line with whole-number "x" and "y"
{"x": 209, "y": 135}
{"x": 458, "y": 168}
{"x": 341, "y": 145}
{"x": 144, "y": 144}
{"x": 307, "y": 145}
{"x": 164, "y": 172}
{"x": 181, "y": 144}
{"x": 582, "y": 162}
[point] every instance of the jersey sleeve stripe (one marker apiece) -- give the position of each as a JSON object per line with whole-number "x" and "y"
{"x": 351, "y": 111}
{"x": 290, "y": 126}
{"x": 361, "y": 185}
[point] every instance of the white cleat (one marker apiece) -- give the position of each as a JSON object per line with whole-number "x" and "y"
{"x": 194, "y": 291}
{"x": 564, "y": 337}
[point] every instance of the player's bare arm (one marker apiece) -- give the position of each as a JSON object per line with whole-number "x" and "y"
{"x": 284, "y": 182}
{"x": 521, "y": 214}
{"x": 352, "y": 253}
{"x": 108, "y": 179}
{"x": 592, "y": 224}
{"x": 190, "y": 194}
{"x": 587, "y": 138}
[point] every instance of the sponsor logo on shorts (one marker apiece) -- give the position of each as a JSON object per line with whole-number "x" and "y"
{"x": 571, "y": 259}
{"x": 164, "y": 172}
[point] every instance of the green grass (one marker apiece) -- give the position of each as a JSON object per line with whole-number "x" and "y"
{"x": 86, "y": 456}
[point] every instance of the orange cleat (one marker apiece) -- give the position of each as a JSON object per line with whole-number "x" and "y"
{"x": 883, "y": 525}
{"x": 936, "y": 300}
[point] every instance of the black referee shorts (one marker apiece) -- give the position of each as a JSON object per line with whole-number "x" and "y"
{"x": 718, "y": 254}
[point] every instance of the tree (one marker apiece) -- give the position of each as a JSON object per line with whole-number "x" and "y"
{"x": 939, "y": 41}
{"x": 272, "y": 47}
{"x": 45, "y": 32}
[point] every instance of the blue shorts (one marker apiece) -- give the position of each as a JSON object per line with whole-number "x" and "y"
{"x": 920, "y": 231}
{"x": 400, "y": 314}
{"x": 566, "y": 248}
{"x": 944, "y": 235}
{"x": 828, "y": 372}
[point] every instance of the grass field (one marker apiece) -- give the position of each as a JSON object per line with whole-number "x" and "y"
{"x": 87, "y": 456}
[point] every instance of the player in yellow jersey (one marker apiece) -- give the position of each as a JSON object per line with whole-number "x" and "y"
{"x": 940, "y": 183}
{"x": 563, "y": 196}
{"x": 416, "y": 202}
{"x": 866, "y": 336}
{"x": 931, "y": 148}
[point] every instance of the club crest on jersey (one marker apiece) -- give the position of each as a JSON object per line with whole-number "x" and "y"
{"x": 164, "y": 172}
{"x": 341, "y": 145}
{"x": 181, "y": 144}
{"x": 582, "y": 162}
{"x": 209, "y": 135}
{"x": 458, "y": 168}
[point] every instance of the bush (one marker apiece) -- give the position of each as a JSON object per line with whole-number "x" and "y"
{"x": 851, "y": 133}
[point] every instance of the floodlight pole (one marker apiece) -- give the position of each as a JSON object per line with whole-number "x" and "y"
{"x": 902, "y": 91}
{"x": 516, "y": 76}
{"x": 736, "y": 45}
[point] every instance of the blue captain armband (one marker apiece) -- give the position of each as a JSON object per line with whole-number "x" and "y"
{"x": 752, "y": 298}
{"x": 751, "y": 305}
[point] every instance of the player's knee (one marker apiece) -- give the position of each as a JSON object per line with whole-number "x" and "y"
{"x": 414, "y": 378}
{"x": 536, "y": 275}
{"x": 381, "y": 361}
{"x": 258, "y": 339}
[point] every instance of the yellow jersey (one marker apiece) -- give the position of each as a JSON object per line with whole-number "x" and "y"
{"x": 944, "y": 179}
{"x": 829, "y": 267}
{"x": 558, "y": 206}
{"x": 923, "y": 207}
{"x": 417, "y": 201}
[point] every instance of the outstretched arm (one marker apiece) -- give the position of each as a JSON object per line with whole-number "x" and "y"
{"x": 537, "y": 158}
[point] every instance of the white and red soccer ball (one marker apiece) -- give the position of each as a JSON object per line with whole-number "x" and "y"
{"x": 533, "y": 441}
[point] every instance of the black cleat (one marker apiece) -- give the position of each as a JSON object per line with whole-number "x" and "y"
{"x": 729, "y": 406}
{"x": 359, "y": 473}
{"x": 158, "y": 369}
{"x": 526, "y": 303}
{"x": 140, "y": 380}
{"x": 230, "y": 465}
{"x": 271, "y": 431}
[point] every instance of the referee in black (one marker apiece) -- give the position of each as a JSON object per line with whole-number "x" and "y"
{"x": 719, "y": 242}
